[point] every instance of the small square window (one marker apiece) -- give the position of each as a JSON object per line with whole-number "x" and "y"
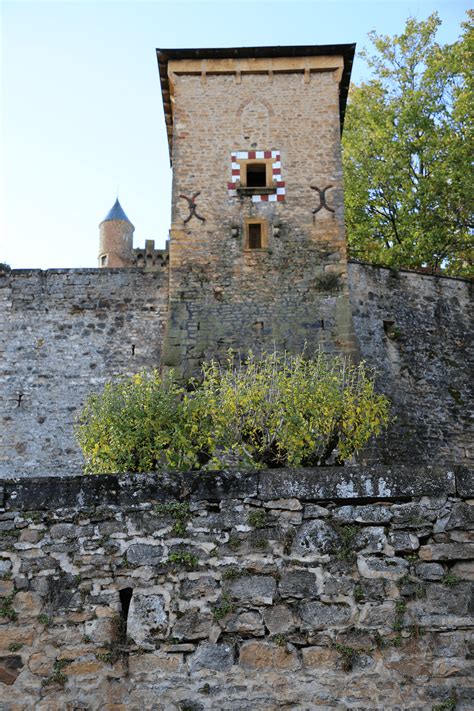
{"x": 255, "y": 234}
{"x": 256, "y": 175}
{"x": 103, "y": 260}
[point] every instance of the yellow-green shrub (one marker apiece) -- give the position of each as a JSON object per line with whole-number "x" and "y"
{"x": 274, "y": 410}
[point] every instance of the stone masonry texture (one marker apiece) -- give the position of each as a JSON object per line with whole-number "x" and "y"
{"x": 292, "y": 293}
{"x": 416, "y": 331}
{"x": 334, "y": 588}
{"x": 63, "y": 334}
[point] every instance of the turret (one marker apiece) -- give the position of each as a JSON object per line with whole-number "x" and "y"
{"x": 116, "y": 239}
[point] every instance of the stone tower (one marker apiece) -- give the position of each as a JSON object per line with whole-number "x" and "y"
{"x": 116, "y": 238}
{"x": 257, "y": 244}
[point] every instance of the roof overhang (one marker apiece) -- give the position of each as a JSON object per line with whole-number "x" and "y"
{"x": 165, "y": 56}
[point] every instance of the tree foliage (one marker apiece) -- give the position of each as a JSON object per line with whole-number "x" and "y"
{"x": 276, "y": 410}
{"x": 407, "y": 151}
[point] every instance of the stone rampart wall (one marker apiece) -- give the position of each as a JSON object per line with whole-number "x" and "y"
{"x": 63, "y": 333}
{"x": 338, "y": 588}
{"x": 416, "y": 331}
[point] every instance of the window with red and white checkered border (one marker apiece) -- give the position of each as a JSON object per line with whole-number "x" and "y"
{"x": 236, "y": 167}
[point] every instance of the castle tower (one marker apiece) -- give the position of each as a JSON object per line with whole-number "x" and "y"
{"x": 257, "y": 243}
{"x": 116, "y": 239}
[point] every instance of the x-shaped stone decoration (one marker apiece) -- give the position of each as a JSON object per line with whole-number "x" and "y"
{"x": 322, "y": 199}
{"x": 192, "y": 207}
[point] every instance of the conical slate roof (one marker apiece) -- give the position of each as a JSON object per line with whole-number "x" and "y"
{"x": 116, "y": 213}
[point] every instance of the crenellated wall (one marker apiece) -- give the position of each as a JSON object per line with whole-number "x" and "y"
{"x": 337, "y": 588}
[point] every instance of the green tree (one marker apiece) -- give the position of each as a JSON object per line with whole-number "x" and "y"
{"x": 276, "y": 410}
{"x": 407, "y": 150}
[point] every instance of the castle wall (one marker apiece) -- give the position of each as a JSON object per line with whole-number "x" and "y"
{"x": 416, "y": 331}
{"x": 64, "y": 332}
{"x": 302, "y": 589}
{"x": 294, "y": 291}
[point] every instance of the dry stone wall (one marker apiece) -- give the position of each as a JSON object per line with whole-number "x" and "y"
{"x": 338, "y": 588}
{"x": 63, "y": 333}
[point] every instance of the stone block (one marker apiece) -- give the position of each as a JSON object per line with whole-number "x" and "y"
{"x": 464, "y": 570}
{"x": 381, "y": 617}
{"x": 216, "y": 657}
{"x": 403, "y": 541}
{"x": 41, "y": 663}
{"x": 27, "y": 605}
{"x": 264, "y": 655}
{"x": 149, "y": 664}
{"x": 371, "y": 539}
{"x": 297, "y": 583}
{"x": 447, "y": 551}
{"x": 412, "y": 515}
{"x": 63, "y": 530}
{"x": 248, "y": 622}
{"x": 145, "y": 554}
{"x": 429, "y": 571}
{"x": 315, "y": 511}
{"x": 204, "y": 586}
{"x": 317, "y": 615}
{"x": 380, "y": 482}
{"x": 385, "y": 568}
{"x": 373, "y": 513}
{"x": 10, "y": 668}
{"x": 252, "y": 589}
{"x": 462, "y": 516}
{"x": 408, "y": 666}
{"x": 16, "y": 634}
{"x": 146, "y": 616}
{"x": 315, "y": 537}
{"x": 464, "y": 481}
{"x": 280, "y": 619}
{"x": 319, "y": 658}
{"x": 193, "y": 624}
{"x": 99, "y": 630}
{"x": 5, "y": 566}
{"x": 6, "y": 588}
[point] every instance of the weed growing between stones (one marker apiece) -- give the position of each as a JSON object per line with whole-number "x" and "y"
{"x": 279, "y": 639}
{"x": 257, "y": 519}
{"x": 449, "y": 704}
{"x": 358, "y": 592}
{"x": 57, "y": 677}
{"x": 450, "y": 580}
{"x": 14, "y": 647}
{"x": 347, "y": 533}
{"x": 348, "y": 656}
{"x": 223, "y": 609}
{"x": 400, "y": 608}
{"x": 117, "y": 647}
{"x": 234, "y": 543}
{"x": 44, "y": 619}
{"x": 184, "y": 558}
{"x": 177, "y": 510}
{"x": 6, "y": 607}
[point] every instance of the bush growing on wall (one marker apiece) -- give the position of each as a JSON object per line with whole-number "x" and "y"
{"x": 273, "y": 411}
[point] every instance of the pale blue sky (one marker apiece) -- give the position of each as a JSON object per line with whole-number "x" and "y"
{"x": 81, "y": 104}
